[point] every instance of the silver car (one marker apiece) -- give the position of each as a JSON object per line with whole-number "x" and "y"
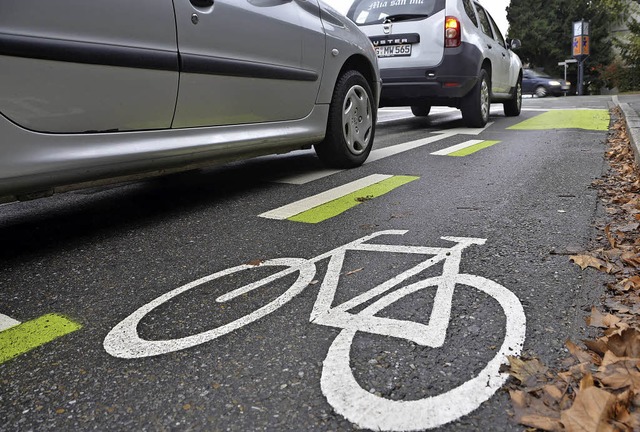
{"x": 442, "y": 53}
{"x": 103, "y": 91}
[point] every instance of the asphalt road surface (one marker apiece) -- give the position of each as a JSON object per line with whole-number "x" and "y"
{"x": 384, "y": 297}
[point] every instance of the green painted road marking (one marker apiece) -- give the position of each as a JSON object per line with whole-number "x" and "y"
{"x": 294, "y": 208}
{"x": 567, "y": 119}
{"x": 344, "y": 203}
{"x": 465, "y": 149}
{"x": 24, "y": 337}
{"x": 474, "y": 148}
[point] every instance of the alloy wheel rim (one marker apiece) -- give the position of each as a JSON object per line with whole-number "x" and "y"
{"x": 484, "y": 100}
{"x": 357, "y": 120}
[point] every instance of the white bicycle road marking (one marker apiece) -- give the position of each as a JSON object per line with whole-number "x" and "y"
{"x": 338, "y": 383}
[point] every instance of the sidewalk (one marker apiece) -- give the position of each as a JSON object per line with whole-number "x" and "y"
{"x": 630, "y": 105}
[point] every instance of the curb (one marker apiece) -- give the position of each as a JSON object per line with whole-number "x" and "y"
{"x": 632, "y": 119}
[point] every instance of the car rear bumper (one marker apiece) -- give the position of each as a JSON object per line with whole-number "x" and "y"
{"x": 444, "y": 84}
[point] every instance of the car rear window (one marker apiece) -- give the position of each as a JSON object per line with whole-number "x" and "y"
{"x": 365, "y": 12}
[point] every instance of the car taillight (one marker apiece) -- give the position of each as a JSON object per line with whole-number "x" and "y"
{"x": 452, "y": 32}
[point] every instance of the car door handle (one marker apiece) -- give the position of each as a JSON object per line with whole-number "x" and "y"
{"x": 202, "y": 3}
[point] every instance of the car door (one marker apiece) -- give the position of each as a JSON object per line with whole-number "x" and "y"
{"x": 88, "y": 66}
{"x": 247, "y": 61}
{"x": 493, "y": 50}
{"x": 528, "y": 81}
{"x": 508, "y": 73}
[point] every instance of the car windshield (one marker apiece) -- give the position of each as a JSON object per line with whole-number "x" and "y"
{"x": 367, "y": 12}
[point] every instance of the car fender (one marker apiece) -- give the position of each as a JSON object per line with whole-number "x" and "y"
{"x": 515, "y": 70}
{"x": 345, "y": 42}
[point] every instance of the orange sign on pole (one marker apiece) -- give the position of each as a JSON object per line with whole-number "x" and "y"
{"x": 580, "y": 46}
{"x": 585, "y": 45}
{"x": 577, "y": 46}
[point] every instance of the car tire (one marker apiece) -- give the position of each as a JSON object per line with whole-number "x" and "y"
{"x": 513, "y": 106}
{"x": 351, "y": 123}
{"x": 541, "y": 92}
{"x": 475, "y": 105}
{"x": 420, "y": 110}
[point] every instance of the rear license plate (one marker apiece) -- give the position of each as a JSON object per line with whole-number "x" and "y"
{"x": 394, "y": 50}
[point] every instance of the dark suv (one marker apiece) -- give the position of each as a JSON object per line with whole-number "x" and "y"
{"x": 441, "y": 52}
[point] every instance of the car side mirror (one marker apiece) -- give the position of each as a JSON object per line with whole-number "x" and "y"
{"x": 514, "y": 44}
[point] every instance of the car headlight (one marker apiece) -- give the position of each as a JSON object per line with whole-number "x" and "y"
{"x": 554, "y": 83}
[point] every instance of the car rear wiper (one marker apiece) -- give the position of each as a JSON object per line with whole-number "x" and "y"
{"x": 403, "y": 17}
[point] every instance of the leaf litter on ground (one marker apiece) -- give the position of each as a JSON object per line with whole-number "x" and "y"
{"x": 597, "y": 388}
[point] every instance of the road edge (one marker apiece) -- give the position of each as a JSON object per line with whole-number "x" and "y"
{"x": 632, "y": 120}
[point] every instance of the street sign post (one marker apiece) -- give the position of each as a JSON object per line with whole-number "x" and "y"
{"x": 566, "y": 64}
{"x": 580, "y": 49}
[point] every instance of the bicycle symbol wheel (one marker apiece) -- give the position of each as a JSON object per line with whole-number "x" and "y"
{"x": 124, "y": 341}
{"x": 367, "y": 410}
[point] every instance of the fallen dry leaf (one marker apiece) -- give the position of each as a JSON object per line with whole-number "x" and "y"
{"x": 591, "y": 411}
{"x": 625, "y": 344}
{"x": 583, "y": 356}
{"x": 349, "y": 273}
{"x": 631, "y": 283}
{"x": 598, "y": 319}
{"x": 533, "y": 412}
{"x": 585, "y": 261}
{"x": 527, "y": 371}
{"x": 619, "y": 375}
{"x": 631, "y": 258}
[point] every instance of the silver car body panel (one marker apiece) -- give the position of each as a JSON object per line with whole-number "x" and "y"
{"x": 42, "y": 162}
{"x": 234, "y": 48}
{"x": 115, "y": 68}
{"x": 75, "y": 118}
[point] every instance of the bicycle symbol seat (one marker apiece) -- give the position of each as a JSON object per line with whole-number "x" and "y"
{"x": 338, "y": 383}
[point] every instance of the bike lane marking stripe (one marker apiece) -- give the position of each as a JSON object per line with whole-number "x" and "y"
{"x": 305, "y": 204}
{"x": 465, "y": 149}
{"x": 7, "y": 322}
{"x": 587, "y": 119}
{"x": 377, "y": 154}
{"x": 344, "y": 203}
{"x": 28, "y": 335}
{"x": 474, "y": 148}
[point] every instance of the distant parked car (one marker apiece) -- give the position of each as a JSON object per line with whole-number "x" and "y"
{"x": 102, "y": 91}
{"x": 541, "y": 84}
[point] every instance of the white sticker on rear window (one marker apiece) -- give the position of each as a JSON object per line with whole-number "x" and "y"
{"x": 362, "y": 17}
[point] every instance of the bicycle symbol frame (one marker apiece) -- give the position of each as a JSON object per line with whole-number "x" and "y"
{"x": 337, "y": 381}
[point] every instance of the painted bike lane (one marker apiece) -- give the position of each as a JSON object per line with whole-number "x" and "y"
{"x": 230, "y": 374}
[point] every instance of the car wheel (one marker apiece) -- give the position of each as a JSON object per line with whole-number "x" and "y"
{"x": 421, "y": 110}
{"x": 513, "y": 106}
{"x": 475, "y": 105}
{"x": 351, "y": 123}
{"x": 541, "y": 91}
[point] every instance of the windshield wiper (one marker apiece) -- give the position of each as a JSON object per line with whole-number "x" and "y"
{"x": 403, "y": 17}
